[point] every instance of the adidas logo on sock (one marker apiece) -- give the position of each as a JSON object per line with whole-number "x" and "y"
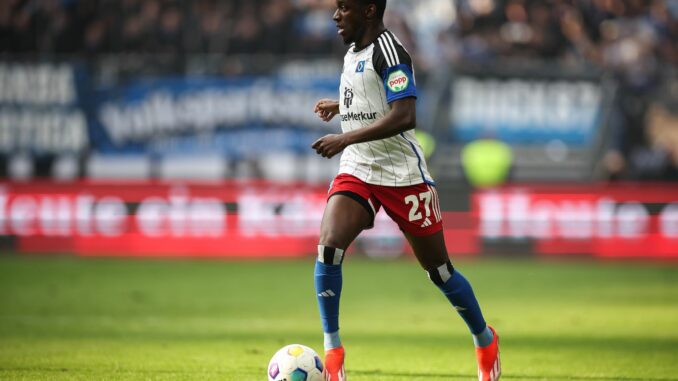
{"x": 327, "y": 293}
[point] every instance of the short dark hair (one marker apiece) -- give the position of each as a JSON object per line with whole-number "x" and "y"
{"x": 380, "y": 4}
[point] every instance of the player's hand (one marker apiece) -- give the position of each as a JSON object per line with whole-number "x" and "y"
{"x": 330, "y": 145}
{"x": 326, "y": 109}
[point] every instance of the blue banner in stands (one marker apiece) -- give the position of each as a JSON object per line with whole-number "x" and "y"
{"x": 526, "y": 111}
{"x": 235, "y": 117}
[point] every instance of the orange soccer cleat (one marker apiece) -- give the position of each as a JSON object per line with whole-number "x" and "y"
{"x": 489, "y": 366}
{"x": 334, "y": 365}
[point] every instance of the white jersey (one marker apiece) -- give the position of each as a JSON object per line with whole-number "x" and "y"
{"x": 372, "y": 78}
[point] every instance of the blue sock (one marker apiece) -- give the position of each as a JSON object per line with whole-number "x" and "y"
{"x": 484, "y": 338}
{"x": 328, "y": 282}
{"x": 331, "y": 340}
{"x": 459, "y": 292}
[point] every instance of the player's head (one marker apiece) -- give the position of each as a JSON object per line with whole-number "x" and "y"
{"x": 354, "y": 16}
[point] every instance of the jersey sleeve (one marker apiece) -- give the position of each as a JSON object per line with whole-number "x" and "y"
{"x": 392, "y": 62}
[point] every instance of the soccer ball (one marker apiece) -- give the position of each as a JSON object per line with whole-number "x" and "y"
{"x": 295, "y": 362}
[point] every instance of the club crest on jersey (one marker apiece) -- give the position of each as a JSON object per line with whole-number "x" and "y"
{"x": 398, "y": 81}
{"x": 348, "y": 97}
{"x": 361, "y": 67}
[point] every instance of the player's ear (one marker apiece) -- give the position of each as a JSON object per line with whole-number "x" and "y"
{"x": 371, "y": 11}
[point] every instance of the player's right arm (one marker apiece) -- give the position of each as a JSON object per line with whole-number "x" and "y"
{"x": 326, "y": 109}
{"x": 401, "y": 117}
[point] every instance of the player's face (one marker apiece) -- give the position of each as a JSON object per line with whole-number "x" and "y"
{"x": 350, "y": 20}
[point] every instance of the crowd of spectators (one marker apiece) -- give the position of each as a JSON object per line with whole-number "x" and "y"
{"x": 634, "y": 38}
{"x": 631, "y": 35}
{"x": 165, "y": 26}
{"x": 612, "y": 33}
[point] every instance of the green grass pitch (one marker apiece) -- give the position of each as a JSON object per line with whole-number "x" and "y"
{"x": 66, "y": 318}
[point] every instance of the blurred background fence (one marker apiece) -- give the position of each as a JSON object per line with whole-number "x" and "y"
{"x": 165, "y": 127}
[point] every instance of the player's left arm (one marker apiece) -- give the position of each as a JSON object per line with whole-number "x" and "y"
{"x": 326, "y": 109}
{"x": 401, "y": 117}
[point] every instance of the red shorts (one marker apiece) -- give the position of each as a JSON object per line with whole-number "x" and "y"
{"x": 414, "y": 208}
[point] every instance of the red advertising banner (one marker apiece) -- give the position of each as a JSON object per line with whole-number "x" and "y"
{"x": 252, "y": 219}
{"x": 625, "y": 220}
{"x": 264, "y": 219}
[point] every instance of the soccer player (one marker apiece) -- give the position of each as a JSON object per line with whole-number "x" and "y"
{"x": 382, "y": 164}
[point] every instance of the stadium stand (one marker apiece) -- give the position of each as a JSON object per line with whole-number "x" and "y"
{"x": 629, "y": 44}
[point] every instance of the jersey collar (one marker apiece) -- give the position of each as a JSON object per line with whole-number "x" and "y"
{"x": 352, "y": 48}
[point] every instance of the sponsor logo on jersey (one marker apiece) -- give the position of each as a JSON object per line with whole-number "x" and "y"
{"x": 358, "y": 116}
{"x": 348, "y": 97}
{"x": 398, "y": 81}
{"x": 361, "y": 67}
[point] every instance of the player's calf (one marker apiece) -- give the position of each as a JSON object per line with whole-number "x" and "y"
{"x": 460, "y": 294}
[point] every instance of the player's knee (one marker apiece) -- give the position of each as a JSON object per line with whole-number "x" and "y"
{"x": 330, "y": 255}
{"x": 333, "y": 237}
{"x": 441, "y": 274}
{"x": 329, "y": 240}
